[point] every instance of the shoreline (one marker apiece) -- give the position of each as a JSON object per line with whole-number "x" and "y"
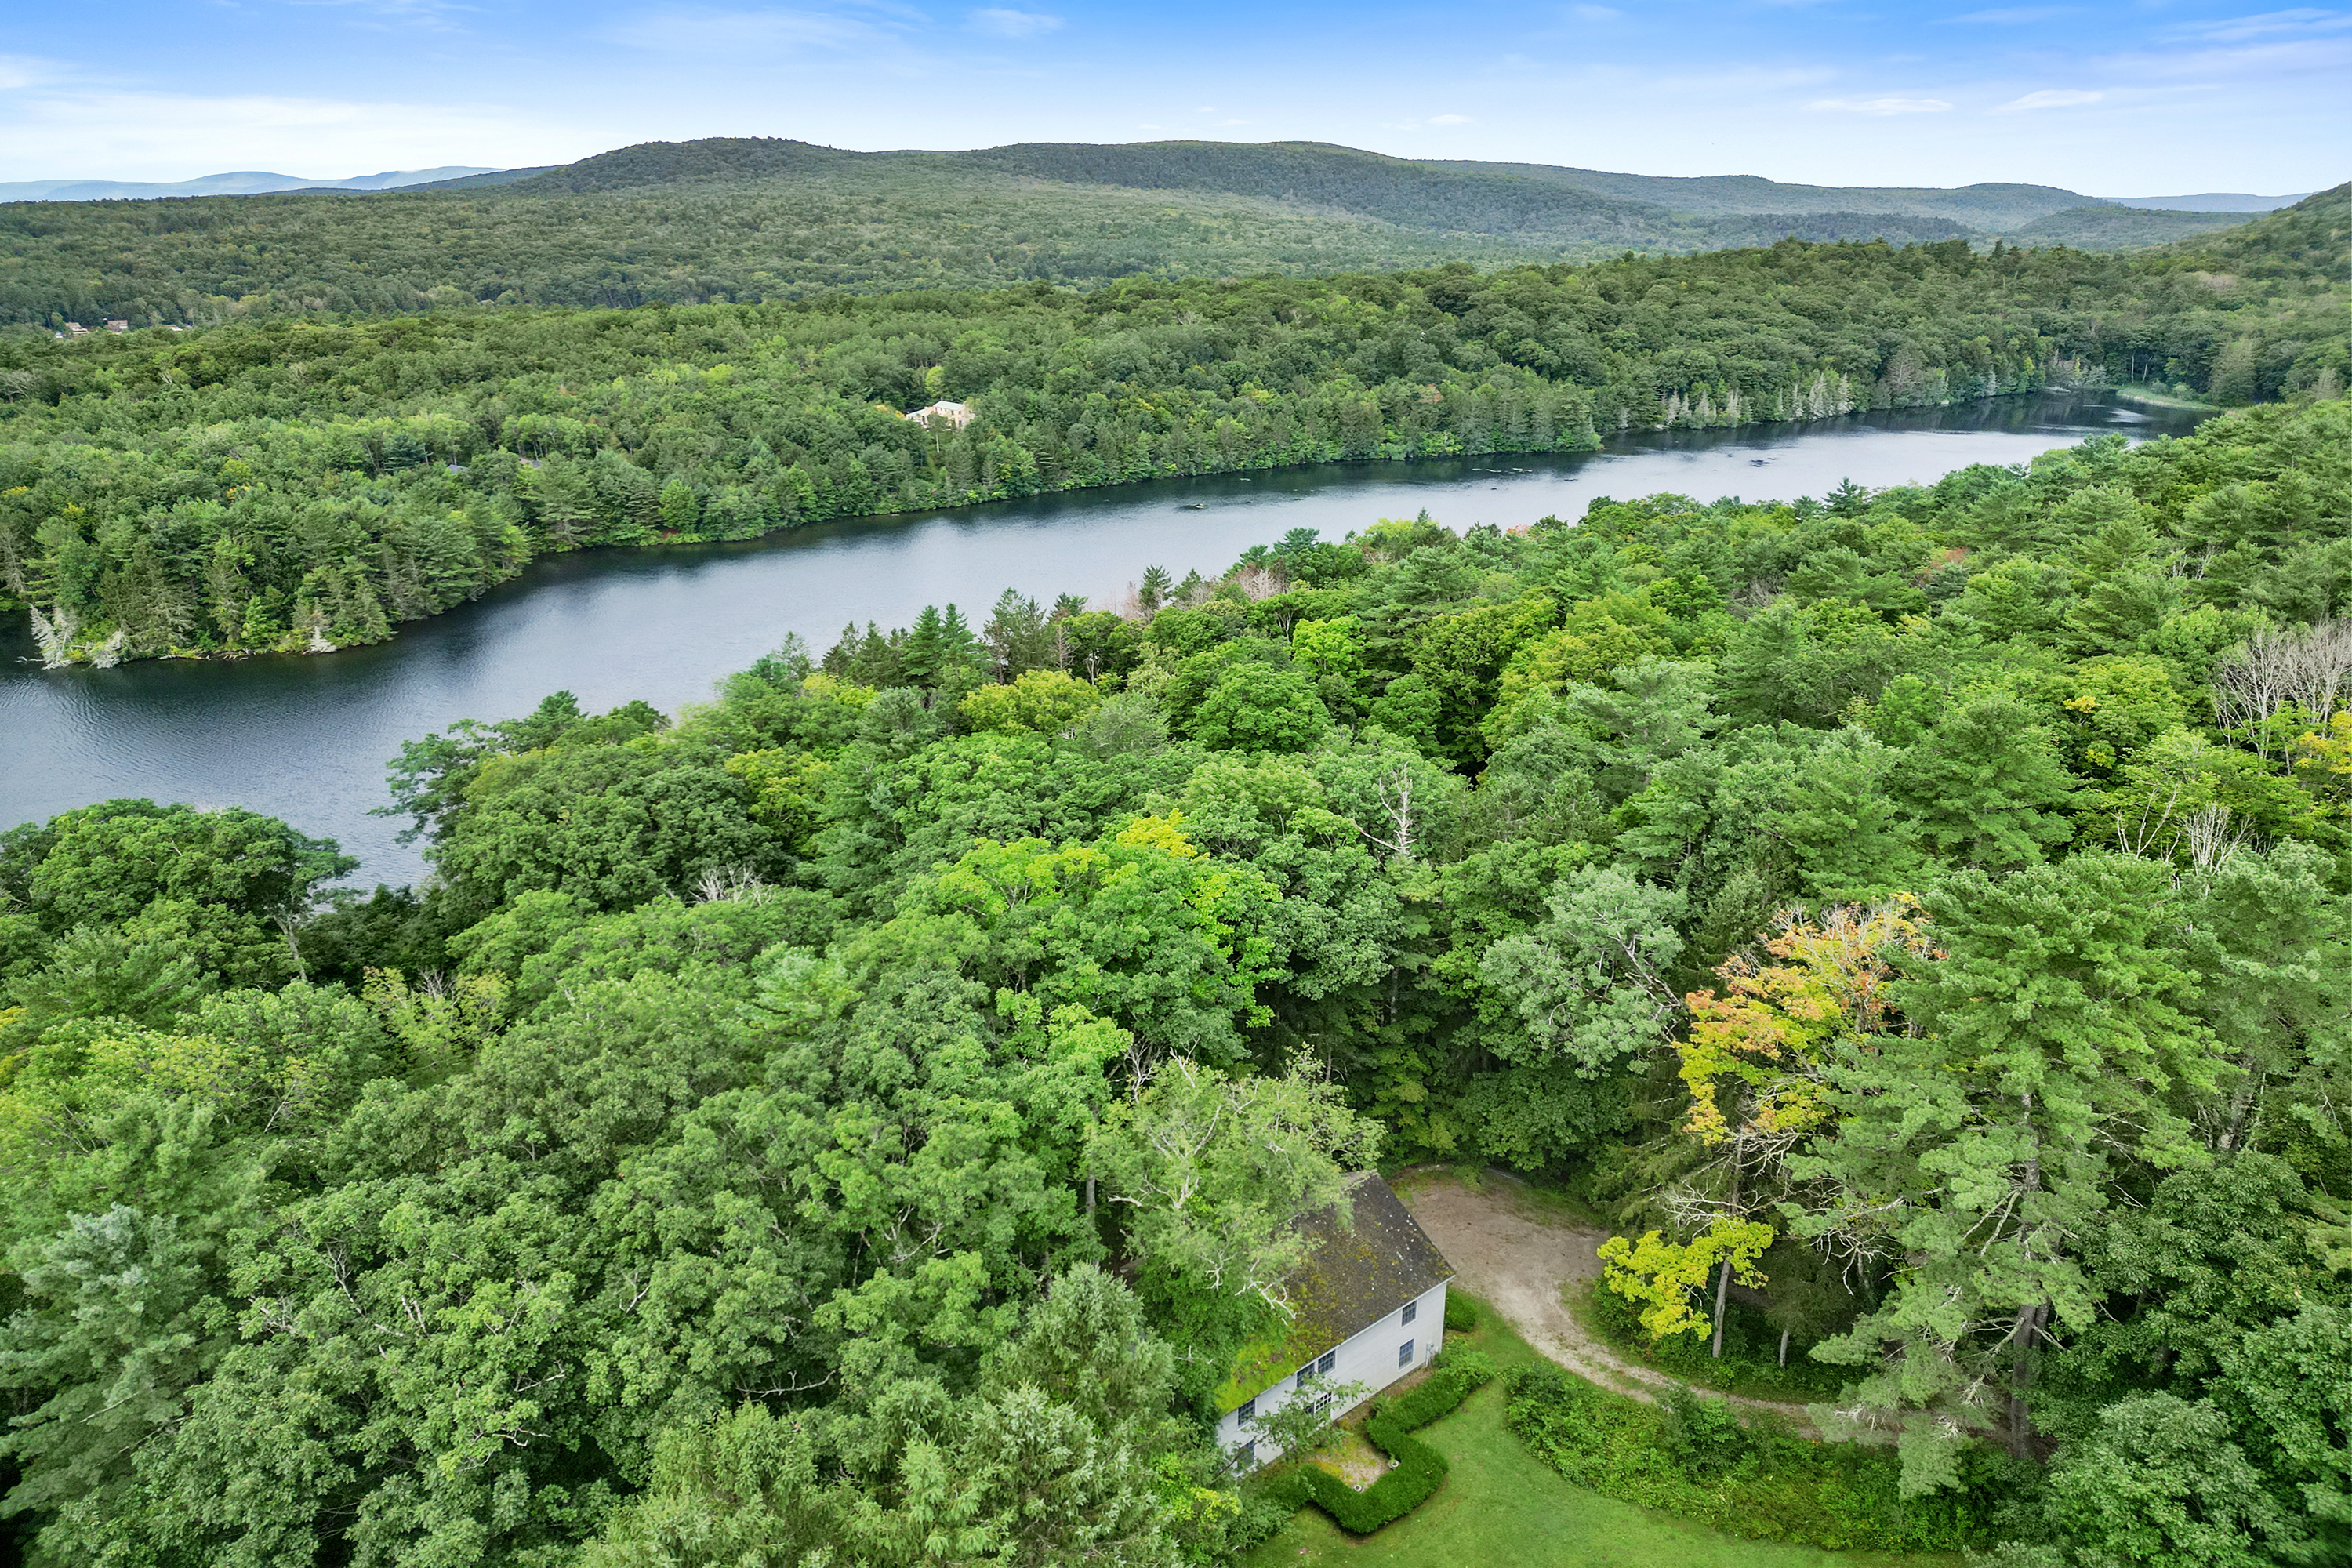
{"x": 1603, "y": 445}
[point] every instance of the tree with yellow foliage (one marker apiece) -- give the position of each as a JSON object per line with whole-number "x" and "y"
{"x": 1753, "y": 1060}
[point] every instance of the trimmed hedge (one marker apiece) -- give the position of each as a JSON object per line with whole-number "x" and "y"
{"x": 1461, "y": 1313}
{"x": 1419, "y": 1469}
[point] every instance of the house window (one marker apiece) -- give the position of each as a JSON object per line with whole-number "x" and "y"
{"x": 1412, "y": 1310}
{"x": 1404, "y": 1353}
{"x": 1307, "y": 1374}
{"x": 1330, "y": 1358}
{"x": 1248, "y": 1412}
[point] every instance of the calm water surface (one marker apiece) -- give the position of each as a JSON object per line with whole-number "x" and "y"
{"x": 306, "y": 739}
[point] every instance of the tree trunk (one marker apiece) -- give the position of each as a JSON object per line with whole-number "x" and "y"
{"x": 1784, "y": 1347}
{"x": 1723, "y": 1280}
{"x": 1090, "y": 1196}
{"x": 2241, "y": 1102}
{"x": 2021, "y": 1426}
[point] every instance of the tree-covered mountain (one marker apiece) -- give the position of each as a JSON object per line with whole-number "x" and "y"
{"x": 745, "y": 220}
{"x": 2309, "y": 243}
{"x": 2109, "y": 227}
{"x": 858, "y": 1119}
{"x": 305, "y": 485}
{"x": 1993, "y": 207}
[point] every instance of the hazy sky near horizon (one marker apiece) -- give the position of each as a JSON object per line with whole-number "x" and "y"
{"x": 2137, "y": 97}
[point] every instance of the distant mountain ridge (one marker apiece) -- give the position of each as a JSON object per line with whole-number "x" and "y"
{"x": 2210, "y": 202}
{"x": 1533, "y": 203}
{"x": 1538, "y": 201}
{"x": 744, "y": 219}
{"x": 243, "y": 183}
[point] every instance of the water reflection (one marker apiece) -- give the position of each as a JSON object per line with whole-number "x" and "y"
{"x": 307, "y": 738}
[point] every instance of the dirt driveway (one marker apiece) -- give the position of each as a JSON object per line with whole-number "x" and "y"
{"x": 1514, "y": 1254}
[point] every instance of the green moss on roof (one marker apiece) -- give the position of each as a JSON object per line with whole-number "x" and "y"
{"x": 1359, "y": 1267}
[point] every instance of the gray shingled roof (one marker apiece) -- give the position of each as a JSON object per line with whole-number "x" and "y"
{"x": 1357, "y": 1273}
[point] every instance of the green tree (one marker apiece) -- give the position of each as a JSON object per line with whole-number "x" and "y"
{"x": 1590, "y": 984}
{"x": 1258, "y": 708}
{"x": 1213, "y": 1169}
{"x": 1985, "y": 785}
{"x": 2046, "y": 1037}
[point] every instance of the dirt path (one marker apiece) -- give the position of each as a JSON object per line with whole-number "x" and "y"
{"x": 1513, "y": 1256}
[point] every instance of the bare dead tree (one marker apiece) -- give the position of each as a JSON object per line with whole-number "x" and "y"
{"x": 2138, "y": 837}
{"x": 1395, "y": 791}
{"x": 55, "y": 633}
{"x": 2208, "y": 837}
{"x": 1257, "y": 583}
{"x": 2322, "y": 662}
{"x": 2257, "y": 682}
{"x": 730, "y": 885}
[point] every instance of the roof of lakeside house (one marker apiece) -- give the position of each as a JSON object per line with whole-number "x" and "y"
{"x": 1357, "y": 1271}
{"x": 954, "y": 413}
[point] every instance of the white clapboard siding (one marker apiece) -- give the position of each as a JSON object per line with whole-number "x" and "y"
{"x": 1372, "y": 1356}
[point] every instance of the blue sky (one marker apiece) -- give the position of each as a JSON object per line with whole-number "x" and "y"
{"x": 2116, "y": 98}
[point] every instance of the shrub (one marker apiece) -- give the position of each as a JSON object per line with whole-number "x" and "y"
{"x": 1695, "y": 1457}
{"x": 1749, "y": 1364}
{"x": 1420, "y": 1469}
{"x": 1460, "y": 1313}
{"x": 1702, "y": 1435}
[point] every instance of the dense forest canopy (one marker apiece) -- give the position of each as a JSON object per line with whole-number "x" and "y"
{"x": 310, "y": 484}
{"x": 1991, "y": 206}
{"x": 1933, "y": 901}
{"x": 751, "y": 219}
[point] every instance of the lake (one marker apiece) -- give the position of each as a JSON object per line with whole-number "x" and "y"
{"x": 307, "y": 738}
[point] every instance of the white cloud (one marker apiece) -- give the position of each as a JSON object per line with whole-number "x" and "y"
{"x": 24, "y": 71}
{"x": 1008, "y": 23}
{"x": 436, "y": 14}
{"x": 1449, "y": 120}
{"x": 2054, "y": 97}
{"x": 2301, "y": 20}
{"x": 2012, "y": 16}
{"x": 1880, "y": 106}
{"x": 698, "y": 29}
{"x": 99, "y": 132}
{"x": 2265, "y": 66}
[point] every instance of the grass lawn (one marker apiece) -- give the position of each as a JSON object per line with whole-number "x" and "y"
{"x": 1500, "y": 1506}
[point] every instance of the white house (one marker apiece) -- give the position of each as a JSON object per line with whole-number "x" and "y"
{"x": 1368, "y": 1306}
{"x": 957, "y": 415}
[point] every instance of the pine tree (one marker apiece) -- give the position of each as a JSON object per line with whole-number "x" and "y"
{"x": 920, "y": 655}
{"x": 2045, "y": 1035}
{"x": 1016, "y": 637}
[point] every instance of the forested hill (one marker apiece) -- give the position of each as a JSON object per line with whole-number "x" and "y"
{"x": 291, "y": 485}
{"x": 2120, "y": 228}
{"x": 1994, "y": 207}
{"x": 751, "y": 219}
{"x": 1315, "y": 176}
{"x": 2308, "y": 243}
